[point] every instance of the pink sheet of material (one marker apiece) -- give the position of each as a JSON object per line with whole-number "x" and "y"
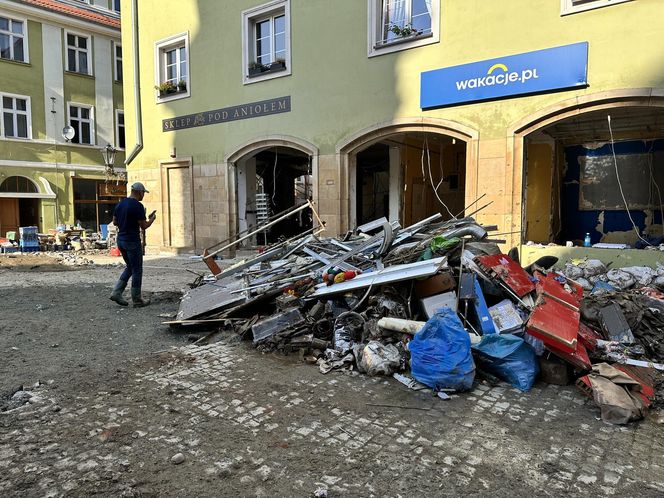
{"x": 507, "y": 270}
{"x": 555, "y": 324}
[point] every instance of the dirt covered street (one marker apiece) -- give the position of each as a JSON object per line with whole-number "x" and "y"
{"x": 112, "y": 400}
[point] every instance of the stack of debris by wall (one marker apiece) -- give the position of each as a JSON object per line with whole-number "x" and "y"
{"x": 437, "y": 305}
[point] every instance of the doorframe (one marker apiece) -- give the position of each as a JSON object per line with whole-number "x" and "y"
{"x": 164, "y": 167}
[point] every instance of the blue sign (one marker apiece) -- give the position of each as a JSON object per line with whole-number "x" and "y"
{"x": 532, "y": 72}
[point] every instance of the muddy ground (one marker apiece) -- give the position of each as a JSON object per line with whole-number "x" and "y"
{"x": 113, "y": 395}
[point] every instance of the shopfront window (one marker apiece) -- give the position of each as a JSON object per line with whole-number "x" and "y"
{"x": 95, "y": 200}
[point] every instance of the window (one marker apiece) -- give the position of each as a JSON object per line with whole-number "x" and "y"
{"x": 95, "y": 200}
{"x": 117, "y": 50}
{"x": 172, "y": 67}
{"x": 401, "y": 24}
{"x": 13, "y": 40}
{"x": 572, "y": 6}
{"x": 116, "y": 5}
{"x": 119, "y": 129}
{"x": 15, "y": 116}
{"x": 82, "y": 120}
{"x": 78, "y": 53}
{"x": 266, "y": 41}
{"x": 19, "y": 184}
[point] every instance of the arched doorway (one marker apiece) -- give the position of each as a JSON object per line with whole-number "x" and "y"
{"x": 408, "y": 170}
{"x": 20, "y": 204}
{"x": 596, "y": 167}
{"x": 269, "y": 177}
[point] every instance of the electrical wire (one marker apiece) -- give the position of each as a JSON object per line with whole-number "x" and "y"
{"x": 615, "y": 164}
{"x": 274, "y": 175}
{"x": 435, "y": 189}
{"x": 654, "y": 182}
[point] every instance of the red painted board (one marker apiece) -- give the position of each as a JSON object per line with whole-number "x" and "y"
{"x": 549, "y": 286}
{"x": 509, "y": 271}
{"x": 555, "y": 324}
{"x": 578, "y": 358}
{"x": 640, "y": 375}
{"x": 589, "y": 337}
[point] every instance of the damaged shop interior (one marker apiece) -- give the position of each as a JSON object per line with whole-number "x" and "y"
{"x": 401, "y": 177}
{"x": 599, "y": 173}
{"x": 269, "y": 182}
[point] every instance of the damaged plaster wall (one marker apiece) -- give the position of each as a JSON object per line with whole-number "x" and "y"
{"x": 598, "y": 211}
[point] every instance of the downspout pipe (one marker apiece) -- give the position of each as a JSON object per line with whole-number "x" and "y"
{"x": 137, "y": 85}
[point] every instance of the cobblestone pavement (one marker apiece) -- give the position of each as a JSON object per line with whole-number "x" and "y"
{"x": 264, "y": 425}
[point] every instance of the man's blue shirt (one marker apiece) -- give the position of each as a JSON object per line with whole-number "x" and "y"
{"x": 128, "y": 213}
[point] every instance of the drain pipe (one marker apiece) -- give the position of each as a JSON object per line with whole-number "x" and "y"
{"x": 137, "y": 84}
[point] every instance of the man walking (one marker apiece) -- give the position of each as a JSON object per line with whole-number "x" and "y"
{"x": 129, "y": 217}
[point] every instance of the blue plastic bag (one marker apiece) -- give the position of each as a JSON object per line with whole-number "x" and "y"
{"x": 440, "y": 355}
{"x": 508, "y": 357}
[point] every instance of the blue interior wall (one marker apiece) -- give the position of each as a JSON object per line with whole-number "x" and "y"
{"x": 575, "y": 222}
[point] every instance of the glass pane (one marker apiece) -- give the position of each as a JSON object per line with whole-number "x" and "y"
{"x": 280, "y": 24}
{"x": 279, "y": 43}
{"x": 7, "y": 103}
{"x": 83, "y": 62}
{"x": 85, "y": 133}
{"x": 71, "y": 60}
{"x": 82, "y": 42}
{"x": 86, "y": 215}
{"x": 22, "y": 125}
{"x": 9, "y": 124}
{"x": 85, "y": 113}
{"x": 17, "y": 27}
{"x": 183, "y": 54}
{"x": 21, "y": 104}
{"x": 18, "y": 49}
{"x": 4, "y": 47}
{"x": 118, "y": 51}
{"x": 420, "y": 7}
{"x": 280, "y": 55}
{"x": 75, "y": 123}
{"x": 183, "y": 70}
{"x": 263, "y": 48}
{"x": 121, "y": 137}
{"x": 71, "y": 40}
{"x": 171, "y": 73}
{"x": 422, "y": 23}
{"x": 4, "y": 23}
{"x": 85, "y": 190}
{"x": 170, "y": 57}
{"x": 73, "y": 111}
{"x": 121, "y": 118}
{"x": 263, "y": 29}
{"x": 118, "y": 71}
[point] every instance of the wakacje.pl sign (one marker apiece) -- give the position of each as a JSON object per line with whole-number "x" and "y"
{"x": 532, "y": 72}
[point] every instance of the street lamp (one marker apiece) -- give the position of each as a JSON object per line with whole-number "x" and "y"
{"x": 108, "y": 153}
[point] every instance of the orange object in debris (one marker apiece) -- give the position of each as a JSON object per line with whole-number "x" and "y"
{"x": 115, "y": 252}
{"x": 338, "y": 278}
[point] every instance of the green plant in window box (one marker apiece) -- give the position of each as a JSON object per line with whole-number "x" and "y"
{"x": 166, "y": 88}
{"x": 256, "y": 68}
{"x": 403, "y": 31}
{"x": 182, "y": 85}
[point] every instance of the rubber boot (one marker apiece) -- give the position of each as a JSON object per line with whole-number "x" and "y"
{"x": 136, "y": 298}
{"x": 117, "y": 293}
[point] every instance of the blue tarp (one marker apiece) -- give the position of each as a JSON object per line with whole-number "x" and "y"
{"x": 440, "y": 355}
{"x": 508, "y": 357}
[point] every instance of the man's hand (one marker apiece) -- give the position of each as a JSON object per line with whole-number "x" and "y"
{"x": 153, "y": 216}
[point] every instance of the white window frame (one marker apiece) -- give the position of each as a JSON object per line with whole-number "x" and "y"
{"x": 88, "y": 52}
{"x": 160, "y": 49}
{"x": 249, "y": 19}
{"x": 375, "y": 46}
{"x": 27, "y": 112}
{"x": 91, "y": 120}
{"x": 119, "y": 112}
{"x": 26, "y": 51}
{"x": 567, "y": 6}
{"x": 117, "y": 45}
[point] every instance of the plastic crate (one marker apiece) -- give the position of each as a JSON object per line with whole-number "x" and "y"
{"x": 7, "y": 250}
{"x": 29, "y": 234}
{"x": 30, "y": 249}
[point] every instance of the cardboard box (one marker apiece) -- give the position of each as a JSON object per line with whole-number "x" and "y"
{"x": 437, "y": 284}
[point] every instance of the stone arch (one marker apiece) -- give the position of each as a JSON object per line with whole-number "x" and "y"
{"x": 607, "y": 100}
{"x": 348, "y": 147}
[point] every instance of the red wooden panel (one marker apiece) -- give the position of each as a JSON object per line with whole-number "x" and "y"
{"x": 507, "y": 270}
{"x": 554, "y": 323}
{"x": 578, "y": 358}
{"x": 549, "y": 286}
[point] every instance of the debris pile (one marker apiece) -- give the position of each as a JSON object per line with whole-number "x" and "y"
{"x": 436, "y": 304}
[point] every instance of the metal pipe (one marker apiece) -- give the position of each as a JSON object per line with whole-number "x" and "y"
{"x": 260, "y": 229}
{"x": 137, "y": 85}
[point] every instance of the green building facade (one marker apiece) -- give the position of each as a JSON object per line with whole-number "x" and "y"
{"x": 60, "y": 65}
{"x": 245, "y": 109}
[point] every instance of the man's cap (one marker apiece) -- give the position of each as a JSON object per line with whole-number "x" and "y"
{"x": 139, "y": 187}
